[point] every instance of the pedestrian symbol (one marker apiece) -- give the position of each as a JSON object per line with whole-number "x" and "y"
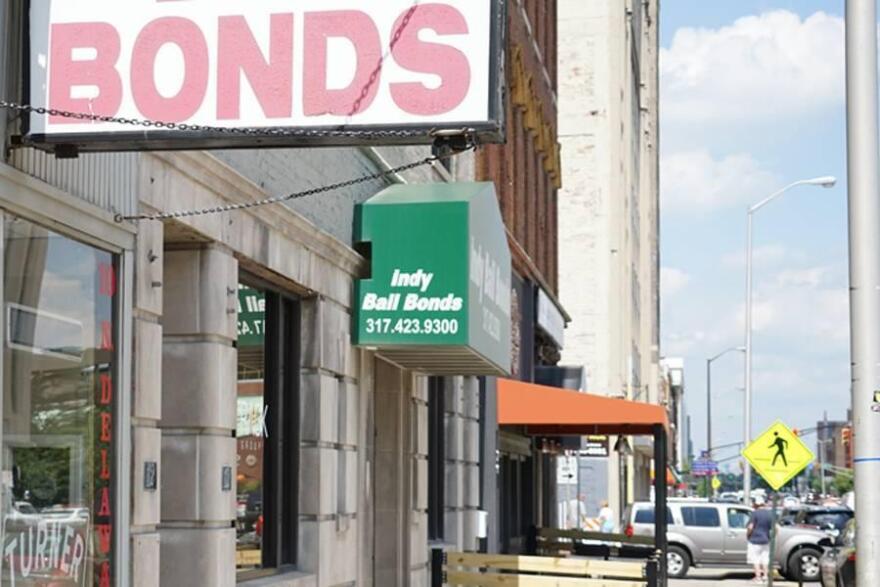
{"x": 781, "y": 445}
{"x": 778, "y": 455}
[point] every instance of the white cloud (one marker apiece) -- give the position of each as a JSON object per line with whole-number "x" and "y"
{"x": 681, "y": 344}
{"x": 800, "y": 312}
{"x": 805, "y": 308}
{"x": 694, "y": 181}
{"x": 768, "y": 67}
{"x": 672, "y": 281}
{"x": 812, "y": 277}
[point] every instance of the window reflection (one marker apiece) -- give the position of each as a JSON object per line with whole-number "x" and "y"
{"x": 58, "y": 386}
{"x": 250, "y": 428}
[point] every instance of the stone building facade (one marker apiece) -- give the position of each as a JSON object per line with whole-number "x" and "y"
{"x": 609, "y": 206}
{"x": 282, "y": 455}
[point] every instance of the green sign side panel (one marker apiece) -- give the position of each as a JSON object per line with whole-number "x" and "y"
{"x": 418, "y": 291}
{"x": 251, "y": 317}
{"x": 489, "y": 279}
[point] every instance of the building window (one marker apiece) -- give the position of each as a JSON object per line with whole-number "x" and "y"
{"x": 267, "y": 431}
{"x": 59, "y": 420}
{"x": 436, "y": 458}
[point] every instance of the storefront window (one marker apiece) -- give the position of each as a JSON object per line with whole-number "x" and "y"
{"x": 59, "y": 372}
{"x": 251, "y": 427}
{"x": 267, "y": 431}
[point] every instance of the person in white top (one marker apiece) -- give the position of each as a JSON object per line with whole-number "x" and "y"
{"x": 606, "y": 518}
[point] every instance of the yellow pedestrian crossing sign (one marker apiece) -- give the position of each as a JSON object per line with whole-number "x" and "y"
{"x": 716, "y": 483}
{"x": 778, "y": 455}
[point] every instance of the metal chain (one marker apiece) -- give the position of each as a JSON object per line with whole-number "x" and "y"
{"x": 374, "y": 75}
{"x": 306, "y": 133}
{"x": 295, "y": 195}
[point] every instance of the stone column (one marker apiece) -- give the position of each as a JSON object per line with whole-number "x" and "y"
{"x": 391, "y": 478}
{"x": 329, "y": 473}
{"x": 146, "y": 405}
{"x": 415, "y": 439}
{"x": 470, "y": 456}
{"x": 198, "y": 422}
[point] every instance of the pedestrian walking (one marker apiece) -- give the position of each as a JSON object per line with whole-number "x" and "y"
{"x": 606, "y": 518}
{"x": 758, "y": 533}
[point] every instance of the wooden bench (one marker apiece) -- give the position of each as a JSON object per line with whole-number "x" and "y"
{"x": 553, "y": 542}
{"x": 491, "y": 570}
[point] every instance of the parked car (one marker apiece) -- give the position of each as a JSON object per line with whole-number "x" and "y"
{"x": 838, "y": 564}
{"x": 704, "y": 534}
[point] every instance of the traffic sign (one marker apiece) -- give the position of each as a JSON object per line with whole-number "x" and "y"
{"x": 716, "y": 483}
{"x": 704, "y": 467}
{"x": 778, "y": 455}
{"x": 566, "y": 470}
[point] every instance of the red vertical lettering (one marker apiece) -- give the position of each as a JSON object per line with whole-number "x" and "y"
{"x": 105, "y": 574}
{"x": 106, "y": 427}
{"x": 271, "y": 80}
{"x": 105, "y": 465}
{"x": 104, "y": 499}
{"x": 357, "y": 27}
{"x": 106, "y": 335}
{"x": 66, "y": 73}
{"x": 189, "y": 38}
{"x": 446, "y": 62}
{"x": 107, "y": 280}
{"x": 106, "y": 389}
{"x": 104, "y": 533}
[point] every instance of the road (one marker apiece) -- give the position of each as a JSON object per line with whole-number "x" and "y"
{"x": 726, "y": 577}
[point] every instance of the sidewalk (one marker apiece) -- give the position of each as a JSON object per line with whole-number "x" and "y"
{"x": 728, "y": 577}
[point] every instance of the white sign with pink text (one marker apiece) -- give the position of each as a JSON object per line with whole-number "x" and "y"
{"x": 310, "y": 64}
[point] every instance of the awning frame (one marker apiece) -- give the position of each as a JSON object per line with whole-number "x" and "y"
{"x": 551, "y": 411}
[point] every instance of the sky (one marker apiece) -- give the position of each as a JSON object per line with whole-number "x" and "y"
{"x": 752, "y": 99}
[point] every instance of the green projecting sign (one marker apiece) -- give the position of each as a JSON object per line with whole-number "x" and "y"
{"x": 438, "y": 297}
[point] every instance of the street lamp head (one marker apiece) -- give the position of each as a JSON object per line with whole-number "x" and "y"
{"x": 740, "y": 349}
{"x": 827, "y": 181}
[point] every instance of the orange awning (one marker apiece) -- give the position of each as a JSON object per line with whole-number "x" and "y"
{"x": 551, "y": 411}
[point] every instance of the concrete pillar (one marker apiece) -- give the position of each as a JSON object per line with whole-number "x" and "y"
{"x": 146, "y": 406}
{"x": 415, "y": 446}
{"x": 198, "y": 422}
{"x": 330, "y": 538}
{"x": 391, "y": 478}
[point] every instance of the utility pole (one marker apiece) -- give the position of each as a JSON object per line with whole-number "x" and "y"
{"x": 823, "y": 450}
{"x": 863, "y": 153}
{"x": 822, "y": 457}
{"x": 709, "y": 407}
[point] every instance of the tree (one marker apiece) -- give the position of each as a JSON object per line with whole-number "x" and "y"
{"x": 842, "y": 483}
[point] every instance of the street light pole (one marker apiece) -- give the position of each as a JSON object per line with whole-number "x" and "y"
{"x": 825, "y": 182}
{"x": 709, "y": 407}
{"x": 747, "y": 409}
{"x": 709, "y": 362}
{"x": 863, "y": 152}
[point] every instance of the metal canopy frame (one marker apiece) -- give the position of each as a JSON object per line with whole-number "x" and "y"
{"x": 585, "y": 421}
